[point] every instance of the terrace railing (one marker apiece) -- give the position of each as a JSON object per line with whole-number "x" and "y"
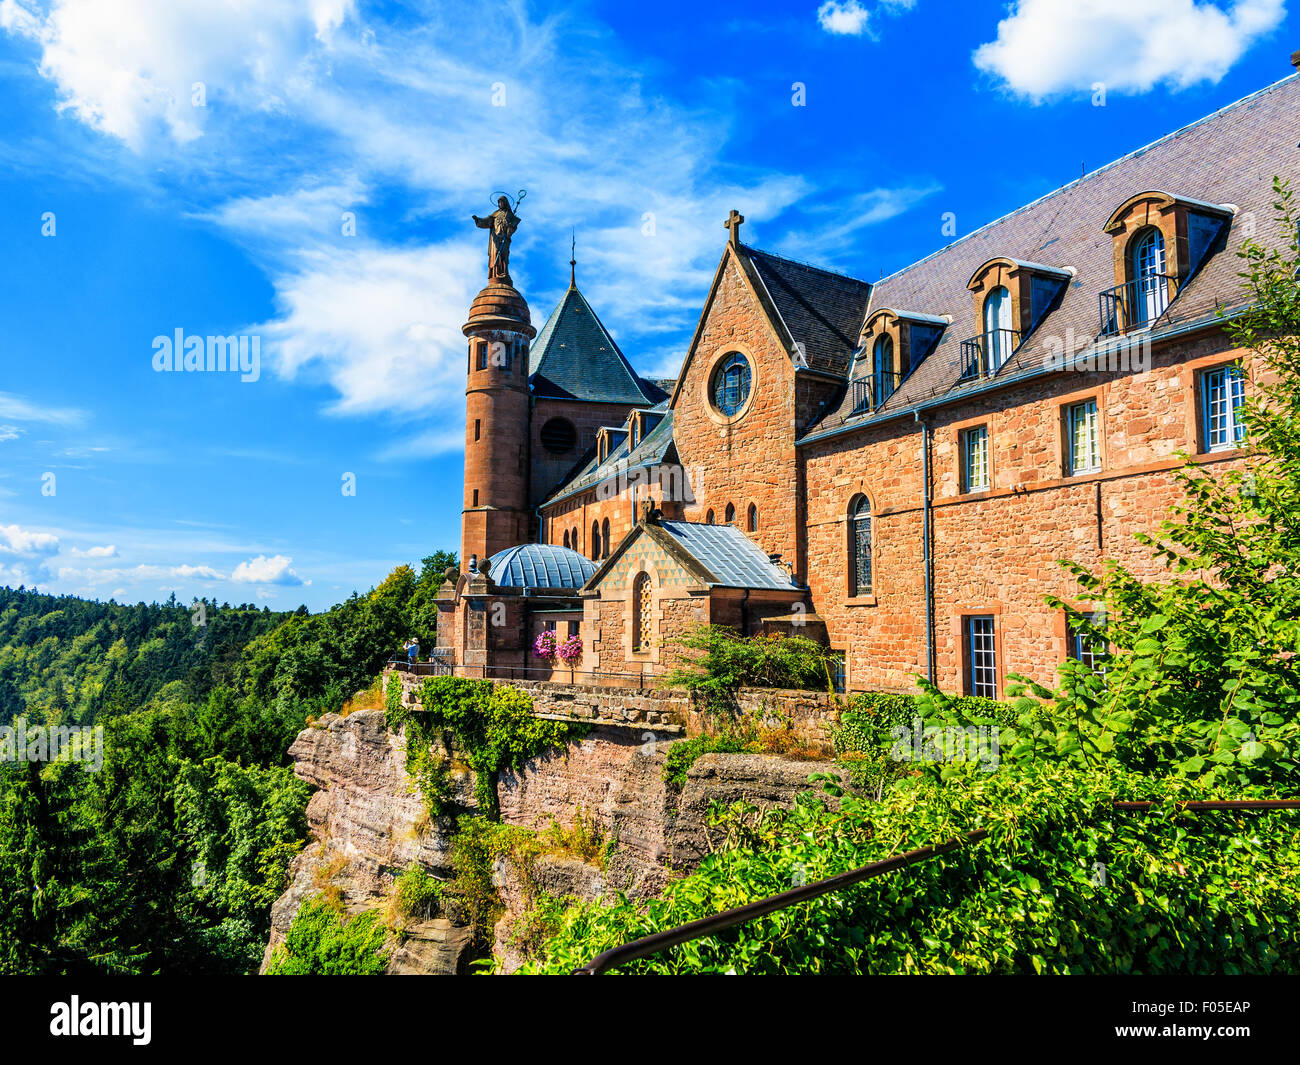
{"x": 983, "y": 355}
{"x": 1135, "y": 304}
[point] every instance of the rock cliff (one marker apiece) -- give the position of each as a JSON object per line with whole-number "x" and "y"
{"x": 369, "y": 825}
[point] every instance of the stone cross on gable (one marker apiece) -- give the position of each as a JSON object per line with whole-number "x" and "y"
{"x": 734, "y": 221}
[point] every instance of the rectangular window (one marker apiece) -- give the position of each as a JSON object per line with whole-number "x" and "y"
{"x": 480, "y": 355}
{"x": 475, "y": 497}
{"x": 975, "y": 458}
{"x": 1087, "y": 648}
{"x": 1222, "y": 392}
{"x": 982, "y": 658}
{"x": 1084, "y": 437}
{"x": 478, "y": 424}
{"x": 573, "y": 628}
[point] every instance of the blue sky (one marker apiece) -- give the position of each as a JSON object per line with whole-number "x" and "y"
{"x": 192, "y": 164}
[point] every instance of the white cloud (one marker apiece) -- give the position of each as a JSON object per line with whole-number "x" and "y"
{"x": 18, "y": 541}
{"x": 383, "y": 326}
{"x": 107, "y": 551}
{"x": 9, "y": 432}
{"x": 843, "y": 19}
{"x": 263, "y": 570}
{"x": 129, "y": 68}
{"x": 1045, "y": 47}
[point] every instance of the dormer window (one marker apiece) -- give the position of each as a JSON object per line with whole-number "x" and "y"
{"x": 1012, "y": 297}
{"x": 891, "y": 344}
{"x": 1160, "y": 241}
{"x": 999, "y": 335}
{"x": 1147, "y": 269}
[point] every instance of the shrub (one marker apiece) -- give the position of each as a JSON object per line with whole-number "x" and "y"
{"x": 714, "y": 661}
{"x": 322, "y": 942}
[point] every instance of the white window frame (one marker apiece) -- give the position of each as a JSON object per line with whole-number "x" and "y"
{"x": 1090, "y": 422}
{"x": 975, "y": 461}
{"x": 1231, "y": 382}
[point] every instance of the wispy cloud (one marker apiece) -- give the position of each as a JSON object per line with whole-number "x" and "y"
{"x": 21, "y": 409}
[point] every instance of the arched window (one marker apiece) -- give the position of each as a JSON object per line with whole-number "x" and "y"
{"x": 882, "y": 370}
{"x": 641, "y": 612}
{"x": 566, "y": 537}
{"x": 595, "y": 540}
{"x": 604, "y": 539}
{"x": 998, "y": 335}
{"x": 860, "y": 546}
{"x": 731, "y": 381}
{"x": 1149, "y": 288}
{"x": 708, "y": 518}
{"x": 751, "y": 518}
{"x": 729, "y": 515}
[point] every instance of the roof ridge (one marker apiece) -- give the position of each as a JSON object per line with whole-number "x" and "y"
{"x": 1090, "y": 176}
{"x": 806, "y": 265}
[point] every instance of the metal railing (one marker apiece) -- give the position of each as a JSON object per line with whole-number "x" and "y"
{"x": 641, "y": 678}
{"x": 984, "y": 354}
{"x": 1135, "y": 304}
{"x": 649, "y": 945}
{"x": 871, "y": 391}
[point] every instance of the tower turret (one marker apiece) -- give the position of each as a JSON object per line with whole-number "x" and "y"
{"x": 496, "y": 514}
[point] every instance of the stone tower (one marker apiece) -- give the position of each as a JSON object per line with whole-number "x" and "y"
{"x": 496, "y": 514}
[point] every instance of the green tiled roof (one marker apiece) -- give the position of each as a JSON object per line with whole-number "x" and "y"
{"x": 574, "y": 357}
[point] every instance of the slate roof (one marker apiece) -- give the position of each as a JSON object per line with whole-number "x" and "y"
{"x": 574, "y": 357}
{"x": 819, "y": 309}
{"x": 731, "y": 558}
{"x": 539, "y": 566}
{"x": 1229, "y": 157}
{"x": 653, "y": 449}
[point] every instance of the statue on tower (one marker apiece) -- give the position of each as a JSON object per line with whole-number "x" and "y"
{"x": 502, "y": 224}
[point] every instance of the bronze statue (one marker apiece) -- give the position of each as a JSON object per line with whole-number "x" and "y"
{"x": 502, "y": 222}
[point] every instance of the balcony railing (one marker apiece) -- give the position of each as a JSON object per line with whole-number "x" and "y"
{"x": 1135, "y": 304}
{"x": 871, "y": 391}
{"x": 984, "y": 354}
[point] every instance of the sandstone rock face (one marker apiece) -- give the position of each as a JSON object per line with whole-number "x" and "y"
{"x": 369, "y": 825}
{"x": 615, "y": 777}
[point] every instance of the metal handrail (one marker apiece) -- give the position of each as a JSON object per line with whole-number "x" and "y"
{"x": 865, "y": 390}
{"x": 652, "y": 944}
{"x": 1135, "y": 304}
{"x": 976, "y": 358}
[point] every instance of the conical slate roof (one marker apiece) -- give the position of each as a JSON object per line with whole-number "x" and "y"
{"x": 574, "y": 357}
